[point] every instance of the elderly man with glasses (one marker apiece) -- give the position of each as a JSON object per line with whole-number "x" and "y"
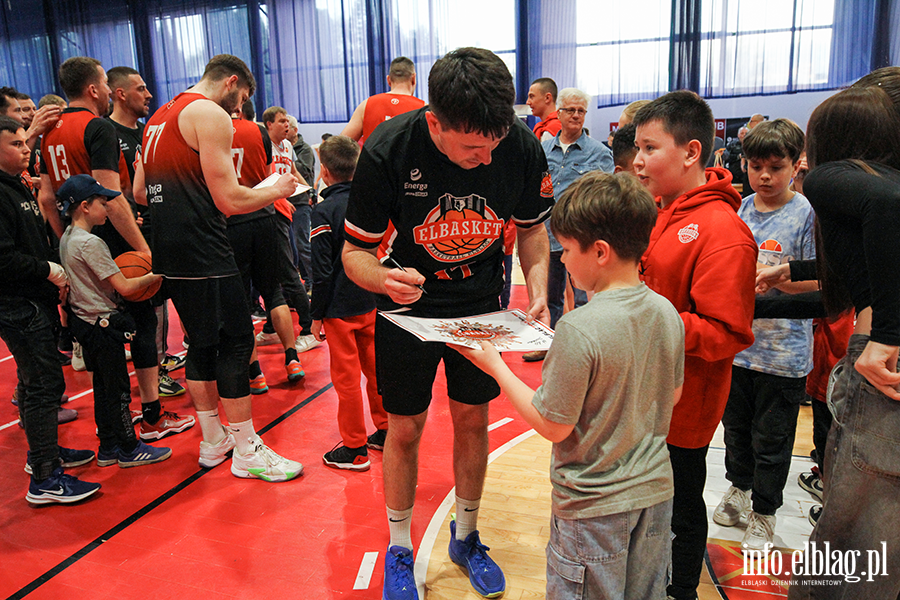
{"x": 570, "y": 154}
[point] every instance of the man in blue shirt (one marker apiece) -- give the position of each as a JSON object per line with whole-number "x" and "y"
{"x": 570, "y": 154}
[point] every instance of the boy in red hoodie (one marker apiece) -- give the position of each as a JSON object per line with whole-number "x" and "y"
{"x": 701, "y": 257}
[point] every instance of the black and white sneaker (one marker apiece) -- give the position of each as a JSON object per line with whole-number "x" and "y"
{"x": 172, "y": 362}
{"x": 168, "y": 387}
{"x": 342, "y": 457}
{"x": 376, "y": 440}
{"x": 814, "y": 513}
{"x": 812, "y": 483}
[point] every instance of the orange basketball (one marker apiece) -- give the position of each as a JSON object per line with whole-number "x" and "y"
{"x": 770, "y": 244}
{"x": 460, "y": 245}
{"x": 134, "y": 264}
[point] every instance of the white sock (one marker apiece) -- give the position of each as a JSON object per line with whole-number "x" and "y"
{"x": 466, "y": 517}
{"x": 210, "y": 426}
{"x": 245, "y": 437}
{"x": 400, "y": 522}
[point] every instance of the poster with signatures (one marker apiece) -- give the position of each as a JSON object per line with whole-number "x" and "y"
{"x": 508, "y": 330}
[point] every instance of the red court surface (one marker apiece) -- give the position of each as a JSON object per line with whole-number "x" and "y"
{"x": 174, "y": 531}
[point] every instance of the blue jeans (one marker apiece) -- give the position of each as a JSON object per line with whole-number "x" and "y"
{"x": 619, "y": 556}
{"x": 27, "y": 329}
{"x": 556, "y": 287}
{"x": 300, "y": 225}
{"x": 861, "y": 479}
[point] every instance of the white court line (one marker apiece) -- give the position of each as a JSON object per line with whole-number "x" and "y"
{"x": 423, "y": 556}
{"x": 364, "y": 575}
{"x": 5, "y": 358}
{"x": 499, "y": 423}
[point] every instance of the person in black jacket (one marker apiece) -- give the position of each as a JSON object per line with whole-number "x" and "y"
{"x": 346, "y": 311}
{"x": 30, "y": 288}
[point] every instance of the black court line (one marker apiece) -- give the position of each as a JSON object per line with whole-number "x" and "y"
{"x": 106, "y": 536}
{"x": 712, "y": 574}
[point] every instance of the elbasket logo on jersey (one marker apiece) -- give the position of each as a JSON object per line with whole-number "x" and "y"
{"x": 546, "y": 185}
{"x": 458, "y": 228}
{"x": 688, "y": 234}
{"x": 395, "y": 101}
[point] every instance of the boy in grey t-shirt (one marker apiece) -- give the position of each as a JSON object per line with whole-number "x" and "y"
{"x": 95, "y": 283}
{"x": 610, "y": 380}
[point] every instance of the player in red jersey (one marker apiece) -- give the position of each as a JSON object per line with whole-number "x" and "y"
{"x": 379, "y": 108}
{"x": 191, "y": 184}
{"x": 84, "y": 143}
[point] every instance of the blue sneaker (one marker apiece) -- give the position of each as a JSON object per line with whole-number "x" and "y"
{"x": 59, "y": 488}
{"x": 399, "y": 581}
{"x": 68, "y": 458}
{"x": 484, "y": 574}
{"x": 107, "y": 458}
{"x": 143, "y": 454}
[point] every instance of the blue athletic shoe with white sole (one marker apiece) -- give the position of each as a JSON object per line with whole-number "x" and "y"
{"x": 68, "y": 458}
{"x": 143, "y": 454}
{"x": 484, "y": 574}
{"x": 399, "y": 581}
{"x": 59, "y": 488}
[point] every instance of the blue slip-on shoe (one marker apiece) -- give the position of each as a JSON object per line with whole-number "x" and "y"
{"x": 399, "y": 581}
{"x": 484, "y": 574}
{"x": 143, "y": 454}
{"x": 59, "y": 488}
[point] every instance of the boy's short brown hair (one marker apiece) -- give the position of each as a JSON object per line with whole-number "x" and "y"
{"x": 614, "y": 208}
{"x": 781, "y": 138}
{"x": 339, "y": 154}
{"x": 685, "y": 116}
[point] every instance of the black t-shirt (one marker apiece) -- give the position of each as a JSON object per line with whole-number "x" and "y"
{"x": 443, "y": 220}
{"x": 130, "y": 143}
{"x": 859, "y": 216}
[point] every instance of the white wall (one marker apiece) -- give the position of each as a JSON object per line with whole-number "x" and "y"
{"x": 797, "y": 107}
{"x": 312, "y": 132}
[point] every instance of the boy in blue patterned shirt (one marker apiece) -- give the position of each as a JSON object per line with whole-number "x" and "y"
{"x": 769, "y": 378}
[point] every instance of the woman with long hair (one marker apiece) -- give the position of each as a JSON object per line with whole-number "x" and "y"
{"x": 853, "y": 147}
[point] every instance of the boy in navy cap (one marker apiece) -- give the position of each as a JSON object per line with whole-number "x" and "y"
{"x": 95, "y": 305}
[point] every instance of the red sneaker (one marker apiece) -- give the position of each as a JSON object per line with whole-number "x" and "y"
{"x": 294, "y": 370}
{"x": 258, "y": 385}
{"x": 169, "y": 424}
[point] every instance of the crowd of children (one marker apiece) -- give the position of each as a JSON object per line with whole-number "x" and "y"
{"x": 636, "y": 381}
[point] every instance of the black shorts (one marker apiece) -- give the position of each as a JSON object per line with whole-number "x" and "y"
{"x": 208, "y": 306}
{"x": 406, "y": 368}
{"x": 256, "y": 251}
